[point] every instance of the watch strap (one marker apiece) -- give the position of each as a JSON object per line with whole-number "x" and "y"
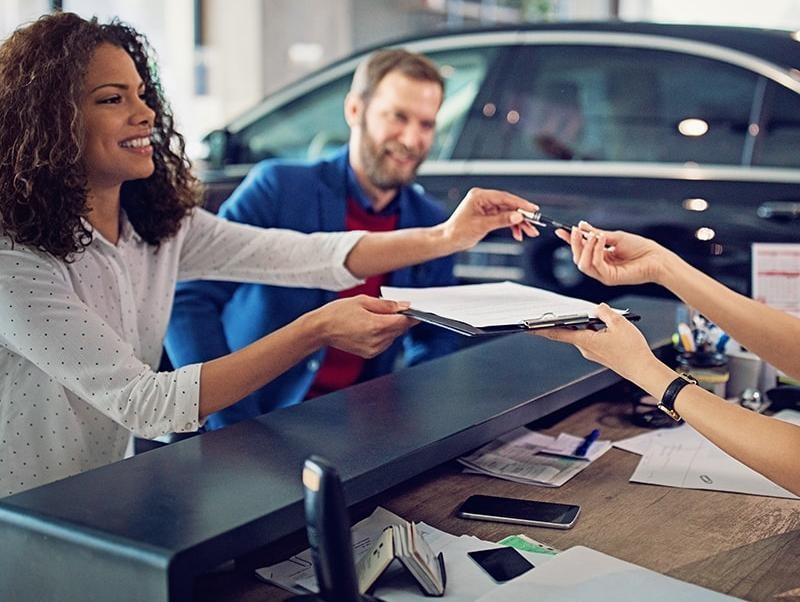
{"x": 667, "y": 404}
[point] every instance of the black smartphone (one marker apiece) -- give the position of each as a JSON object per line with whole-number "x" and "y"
{"x": 521, "y": 512}
{"x": 502, "y": 564}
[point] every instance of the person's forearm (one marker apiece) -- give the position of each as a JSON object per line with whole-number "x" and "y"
{"x": 228, "y": 379}
{"x": 382, "y": 252}
{"x": 766, "y": 445}
{"x": 769, "y": 333}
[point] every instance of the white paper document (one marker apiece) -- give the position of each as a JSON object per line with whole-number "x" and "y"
{"x": 494, "y": 305}
{"x": 465, "y": 579}
{"x": 682, "y": 457}
{"x": 525, "y": 456}
{"x": 581, "y": 574}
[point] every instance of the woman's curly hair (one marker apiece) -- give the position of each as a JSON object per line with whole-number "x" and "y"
{"x": 43, "y": 185}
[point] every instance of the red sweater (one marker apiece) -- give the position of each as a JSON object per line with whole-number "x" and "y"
{"x": 340, "y": 369}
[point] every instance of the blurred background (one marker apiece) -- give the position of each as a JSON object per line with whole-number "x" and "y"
{"x": 219, "y": 57}
{"x": 654, "y": 116}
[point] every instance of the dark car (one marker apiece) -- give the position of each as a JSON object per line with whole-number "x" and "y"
{"x": 686, "y": 134}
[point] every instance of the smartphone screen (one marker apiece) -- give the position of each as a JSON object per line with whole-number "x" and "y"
{"x": 524, "y": 512}
{"x": 502, "y": 564}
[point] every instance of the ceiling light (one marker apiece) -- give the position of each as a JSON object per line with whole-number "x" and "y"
{"x": 693, "y": 127}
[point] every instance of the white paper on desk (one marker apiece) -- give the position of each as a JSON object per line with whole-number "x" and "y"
{"x": 491, "y": 304}
{"x": 465, "y": 579}
{"x": 682, "y": 457}
{"x": 518, "y": 456}
{"x": 639, "y": 444}
{"x": 565, "y": 445}
{"x": 584, "y": 574}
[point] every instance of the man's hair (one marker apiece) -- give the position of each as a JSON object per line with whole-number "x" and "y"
{"x": 371, "y": 71}
{"x": 43, "y": 183}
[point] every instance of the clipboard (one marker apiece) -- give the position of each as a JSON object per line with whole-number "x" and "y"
{"x": 496, "y": 308}
{"x": 527, "y": 325}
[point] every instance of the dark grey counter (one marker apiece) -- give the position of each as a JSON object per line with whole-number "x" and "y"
{"x": 143, "y": 528}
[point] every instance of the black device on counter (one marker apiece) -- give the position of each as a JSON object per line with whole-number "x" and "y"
{"x": 328, "y": 531}
{"x": 521, "y": 512}
{"x": 501, "y": 564}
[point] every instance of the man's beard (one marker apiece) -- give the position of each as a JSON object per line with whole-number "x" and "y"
{"x": 378, "y": 165}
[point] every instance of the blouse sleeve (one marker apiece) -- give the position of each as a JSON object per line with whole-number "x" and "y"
{"x": 47, "y": 324}
{"x": 216, "y": 249}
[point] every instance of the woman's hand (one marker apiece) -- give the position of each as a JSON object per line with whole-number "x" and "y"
{"x": 362, "y": 325}
{"x": 482, "y": 211}
{"x": 615, "y": 257}
{"x": 619, "y": 346}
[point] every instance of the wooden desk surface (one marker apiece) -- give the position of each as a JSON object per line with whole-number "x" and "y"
{"x": 745, "y": 546}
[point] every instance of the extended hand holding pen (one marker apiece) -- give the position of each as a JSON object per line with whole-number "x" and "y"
{"x": 631, "y": 259}
{"x": 484, "y": 210}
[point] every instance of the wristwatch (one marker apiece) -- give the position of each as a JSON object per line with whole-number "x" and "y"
{"x": 667, "y": 404}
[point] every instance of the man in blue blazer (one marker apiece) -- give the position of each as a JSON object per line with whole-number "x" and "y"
{"x": 391, "y": 110}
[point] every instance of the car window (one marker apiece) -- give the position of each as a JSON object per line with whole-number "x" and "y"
{"x": 464, "y": 71}
{"x": 306, "y": 127}
{"x": 313, "y": 124}
{"x": 616, "y": 104}
{"x": 779, "y": 137}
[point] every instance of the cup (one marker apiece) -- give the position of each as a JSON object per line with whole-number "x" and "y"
{"x": 709, "y": 369}
{"x": 745, "y": 370}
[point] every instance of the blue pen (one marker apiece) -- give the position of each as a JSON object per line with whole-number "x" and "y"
{"x": 587, "y": 443}
{"x": 722, "y": 341}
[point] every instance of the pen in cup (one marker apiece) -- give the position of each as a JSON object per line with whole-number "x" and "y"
{"x": 686, "y": 337}
{"x": 584, "y": 445}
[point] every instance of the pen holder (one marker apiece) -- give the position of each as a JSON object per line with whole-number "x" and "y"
{"x": 709, "y": 369}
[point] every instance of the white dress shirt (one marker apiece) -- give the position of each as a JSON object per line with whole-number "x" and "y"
{"x": 80, "y": 342}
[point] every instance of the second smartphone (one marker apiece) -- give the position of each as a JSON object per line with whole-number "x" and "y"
{"x": 521, "y": 512}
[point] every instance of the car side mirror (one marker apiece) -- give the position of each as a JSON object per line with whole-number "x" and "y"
{"x": 217, "y": 145}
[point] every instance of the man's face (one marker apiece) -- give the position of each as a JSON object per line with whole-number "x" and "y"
{"x": 393, "y": 133}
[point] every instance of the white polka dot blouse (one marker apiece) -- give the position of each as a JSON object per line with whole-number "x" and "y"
{"x": 80, "y": 342}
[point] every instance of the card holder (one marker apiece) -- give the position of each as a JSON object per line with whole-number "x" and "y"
{"x": 403, "y": 542}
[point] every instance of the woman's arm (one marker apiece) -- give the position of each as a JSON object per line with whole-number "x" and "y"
{"x": 361, "y": 325}
{"x": 771, "y": 334}
{"x": 631, "y": 259}
{"x": 766, "y": 445}
{"x": 479, "y": 213}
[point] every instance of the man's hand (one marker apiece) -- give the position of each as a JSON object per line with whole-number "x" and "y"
{"x": 482, "y": 211}
{"x": 362, "y": 325}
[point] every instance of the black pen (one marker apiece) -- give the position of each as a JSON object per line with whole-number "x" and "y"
{"x": 537, "y": 219}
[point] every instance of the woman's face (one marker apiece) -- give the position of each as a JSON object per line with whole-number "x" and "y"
{"x": 117, "y": 120}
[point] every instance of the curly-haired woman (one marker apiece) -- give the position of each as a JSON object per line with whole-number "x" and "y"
{"x": 97, "y": 223}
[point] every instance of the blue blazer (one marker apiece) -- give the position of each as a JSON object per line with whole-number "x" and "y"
{"x": 212, "y": 319}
